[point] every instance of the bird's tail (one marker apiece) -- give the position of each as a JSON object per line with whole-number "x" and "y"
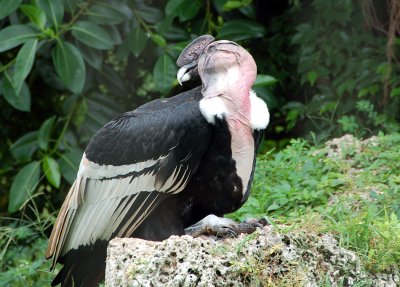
{"x": 83, "y": 267}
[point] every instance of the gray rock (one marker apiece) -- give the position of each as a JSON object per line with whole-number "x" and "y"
{"x": 264, "y": 258}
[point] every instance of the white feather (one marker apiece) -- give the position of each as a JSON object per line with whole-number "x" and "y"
{"x": 259, "y": 116}
{"x": 93, "y": 170}
{"x": 213, "y": 107}
{"x": 101, "y": 207}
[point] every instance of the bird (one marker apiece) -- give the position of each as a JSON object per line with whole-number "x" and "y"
{"x": 173, "y": 166}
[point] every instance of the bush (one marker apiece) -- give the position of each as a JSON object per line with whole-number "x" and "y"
{"x": 344, "y": 57}
{"x": 353, "y": 193}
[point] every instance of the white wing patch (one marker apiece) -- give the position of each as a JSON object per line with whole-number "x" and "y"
{"x": 211, "y": 108}
{"x": 98, "y": 206}
{"x": 94, "y": 170}
{"x": 259, "y": 116}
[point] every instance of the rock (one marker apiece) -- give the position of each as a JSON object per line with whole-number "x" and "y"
{"x": 264, "y": 258}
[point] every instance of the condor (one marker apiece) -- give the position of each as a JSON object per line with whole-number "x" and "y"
{"x": 172, "y": 166}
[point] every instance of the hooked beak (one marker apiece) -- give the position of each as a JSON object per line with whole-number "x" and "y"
{"x": 185, "y": 72}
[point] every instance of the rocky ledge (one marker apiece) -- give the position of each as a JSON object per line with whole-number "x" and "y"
{"x": 264, "y": 258}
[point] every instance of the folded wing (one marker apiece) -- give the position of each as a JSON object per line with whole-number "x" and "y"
{"x": 130, "y": 166}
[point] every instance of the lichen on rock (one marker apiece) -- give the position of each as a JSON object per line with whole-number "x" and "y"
{"x": 264, "y": 258}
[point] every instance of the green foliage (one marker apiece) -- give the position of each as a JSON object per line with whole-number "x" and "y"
{"x": 29, "y": 265}
{"x": 371, "y": 232}
{"x": 22, "y": 247}
{"x": 344, "y": 72}
{"x": 23, "y": 186}
{"x": 291, "y": 182}
{"x": 354, "y": 195}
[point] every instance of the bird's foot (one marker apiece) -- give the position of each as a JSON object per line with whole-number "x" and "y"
{"x": 223, "y": 227}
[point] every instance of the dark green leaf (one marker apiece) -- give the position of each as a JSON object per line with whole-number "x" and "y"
{"x": 238, "y": 30}
{"x": 219, "y": 3}
{"x": 172, "y": 6}
{"x": 175, "y": 34}
{"x": 48, "y": 74}
{"x": 8, "y": 7}
{"x": 312, "y": 77}
{"x": 189, "y": 9}
{"x": 114, "y": 34}
{"x": 164, "y": 73}
{"x": 165, "y": 24}
{"x": 137, "y": 40}
{"x": 235, "y": 4}
{"x": 232, "y": 4}
{"x": 92, "y": 56}
{"x": 69, "y": 164}
{"x": 92, "y": 35}
{"x": 15, "y": 35}
{"x": 264, "y": 80}
{"x": 159, "y": 40}
{"x": 69, "y": 65}
{"x": 25, "y": 146}
{"x": 35, "y": 15}
{"x": 23, "y": 64}
{"x": 21, "y": 101}
{"x": 150, "y": 14}
{"x": 45, "y": 132}
{"x": 120, "y": 6}
{"x": 54, "y": 10}
{"x": 395, "y": 92}
{"x": 328, "y": 107}
{"x": 51, "y": 170}
{"x": 71, "y": 5}
{"x": 23, "y": 185}
{"x": 249, "y": 11}
{"x": 106, "y": 13}
{"x": 123, "y": 51}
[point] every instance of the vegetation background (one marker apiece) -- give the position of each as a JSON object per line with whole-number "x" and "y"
{"x": 326, "y": 68}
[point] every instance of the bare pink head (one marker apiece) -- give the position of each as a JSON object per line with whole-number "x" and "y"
{"x": 226, "y": 68}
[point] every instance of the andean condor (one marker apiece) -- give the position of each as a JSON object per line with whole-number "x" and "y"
{"x": 170, "y": 166}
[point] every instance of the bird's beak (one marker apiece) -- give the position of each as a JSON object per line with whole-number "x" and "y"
{"x": 185, "y": 72}
{"x": 187, "y": 60}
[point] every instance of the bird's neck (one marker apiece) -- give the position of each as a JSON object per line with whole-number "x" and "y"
{"x": 238, "y": 106}
{"x": 242, "y": 144}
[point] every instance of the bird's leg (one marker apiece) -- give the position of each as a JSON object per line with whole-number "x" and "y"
{"x": 222, "y": 227}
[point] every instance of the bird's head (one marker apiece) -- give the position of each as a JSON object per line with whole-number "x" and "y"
{"x": 223, "y": 66}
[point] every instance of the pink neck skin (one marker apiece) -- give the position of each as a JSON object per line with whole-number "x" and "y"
{"x": 229, "y": 73}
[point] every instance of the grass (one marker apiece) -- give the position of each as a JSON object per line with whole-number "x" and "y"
{"x": 23, "y": 243}
{"x": 354, "y": 195}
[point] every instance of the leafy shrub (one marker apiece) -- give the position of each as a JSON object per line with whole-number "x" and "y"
{"x": 349, "y": 84}
{"x": 291, "y": 182}
{"x": 25, "y": 265}
{"x": 354, "y": 195}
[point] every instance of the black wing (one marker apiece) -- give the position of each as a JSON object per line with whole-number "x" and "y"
{"x": 132, "y": 163}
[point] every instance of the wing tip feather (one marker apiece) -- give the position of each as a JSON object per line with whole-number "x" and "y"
{"x": 56, "y": 237}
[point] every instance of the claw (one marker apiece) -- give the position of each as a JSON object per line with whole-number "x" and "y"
{"x": 221, "y": 227}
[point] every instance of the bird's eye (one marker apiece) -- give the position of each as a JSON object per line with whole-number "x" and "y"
{"x": 211, "y": 49}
